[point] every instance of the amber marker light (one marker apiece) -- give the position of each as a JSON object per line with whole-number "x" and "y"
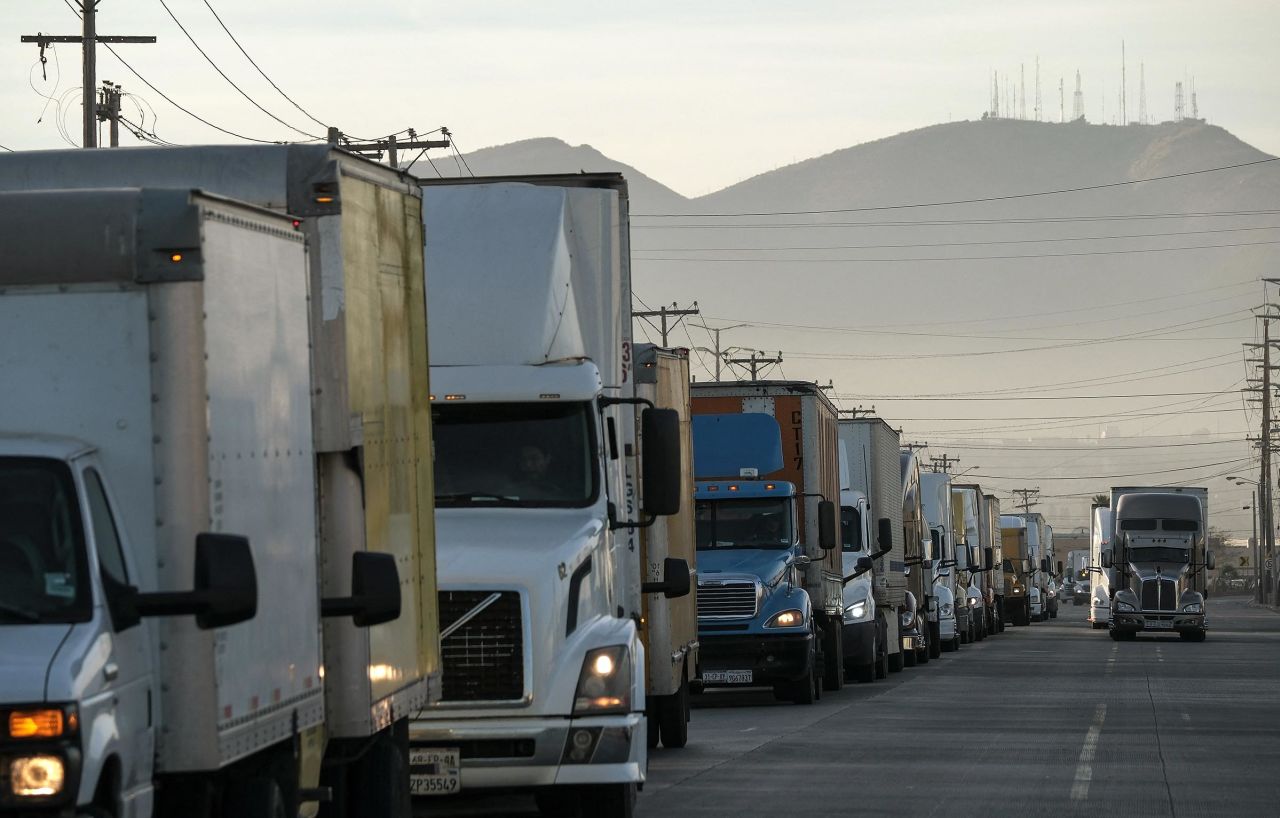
{"x": 175, "y": 257}
{"x": 35, "y": 723}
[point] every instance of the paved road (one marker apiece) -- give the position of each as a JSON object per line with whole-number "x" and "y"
{"x": 1052, "y": 719}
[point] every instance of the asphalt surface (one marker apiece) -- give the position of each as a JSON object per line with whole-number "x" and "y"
{"x": 1050, "y": 719}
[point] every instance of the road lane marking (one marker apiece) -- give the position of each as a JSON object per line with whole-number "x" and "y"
{"x": 1084, "y": 769}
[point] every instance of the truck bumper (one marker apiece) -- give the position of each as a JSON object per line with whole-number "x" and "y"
{"x": 769, "y": 658}
{"x": 947, "y": 627}
{"x": 538, "y": 752}
{"x": 1157, "y": 622}
{"x": 859, "y": 643}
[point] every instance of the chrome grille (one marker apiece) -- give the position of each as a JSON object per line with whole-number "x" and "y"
{"x": 483, "y": 660}
{"x": 1159, "y": 595}
{"x": 728, "y": 600}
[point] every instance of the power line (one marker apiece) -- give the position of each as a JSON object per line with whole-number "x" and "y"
{"x": 1072, "y": 417}
{"x": 7, "y": 148}
{"x": 951, "y": 222}
{"x": 956, "y": 243}
{"x": 1101, "y": 448}
{"x": 1009, "y": 256}
{"x": 230, "y": 81}
{"x": 189, "y": 113}
{"x": 1035, "y": 397}
{"x": 1005, "y": 198}
{"x": 1118, "y": 476}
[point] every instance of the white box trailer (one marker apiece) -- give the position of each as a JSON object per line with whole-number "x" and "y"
{"x": 154, "y": 352}
{"x": 1101, "y": 580}
{"x": 669, "y": 626}
{"x": 370, "y": 413}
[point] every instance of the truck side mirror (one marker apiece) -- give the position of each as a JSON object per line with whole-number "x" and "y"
{"x": 226, "y": 585}
{"x": 988, "y": 558}
{"x": 676, "y": 580}
{"x": 375, "y": 591}
{"x": 927, "y": 565}
{"x": 1209, "y": 561}
{"x": 660, "y": 461}
{"x": 935, "y": 537}
{"x": 862, "y": 566}
{"x": 884, "y": 534}
{"x": 1059, "y": 567}
{"x": 1106, "y": 559}
{"x": 1044, "y": 564}
{"x": 975, "y": 559}
{"x": 828, "y": 525}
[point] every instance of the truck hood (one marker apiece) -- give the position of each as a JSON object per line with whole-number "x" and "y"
{"x": 767, "y": 564}
{"x": 28, "y": 651}
{"x": 510, "y": 547}
{"x": 1165, "y": 570}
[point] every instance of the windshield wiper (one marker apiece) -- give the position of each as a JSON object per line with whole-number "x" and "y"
{"x": 20, "y": 613}
{"x": 476, "y": 495}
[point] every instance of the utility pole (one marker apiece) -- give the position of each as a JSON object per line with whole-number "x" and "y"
{"x": 756, "y": 361}
{"x": 109, "y": 109}
{"x": 1265, "y": 516}
{"x": 858, "y": 412}
{"x": 914, "y": 446}
{"x": 673, "y": 311}
{"x": 1029, "y": 498}
{"x": 391, "y": 145}
{"x": 942, "y": 463}
{"x": 89, "y": 39}
{"x": 715, "y": 333}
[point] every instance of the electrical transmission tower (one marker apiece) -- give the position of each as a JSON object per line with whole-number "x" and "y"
{"x": 664, "y": 313}
{"x": 89, "y": 40}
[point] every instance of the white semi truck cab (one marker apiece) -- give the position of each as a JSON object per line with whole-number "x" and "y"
{"x": 539, "y": 493}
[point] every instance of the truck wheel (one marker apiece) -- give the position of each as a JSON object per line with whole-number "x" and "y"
{"x": 935, "y": 640}
{"x": 896, "y": 662}
{"x": 868, "y": 672}
{"x": 653, "y": 707}
{"x": 257, "y": 797}
{"x": 1116, "y": 636}
{"x": 804, "y": 690}
{"x": 833, "y": 658}
{"x": 557, "y": 802}
{"x": 882, "y": 660}
{"x": 609, "y": 800}
{"x": 1192, "y": 636}
{"x": 909, "y": 658}
{"x": 955, "y": 642}
{"x": 673, "y": 719}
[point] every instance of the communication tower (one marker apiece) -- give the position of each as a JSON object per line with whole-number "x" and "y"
{"x": 1177, "y": 102}
{"x": 1077, "y": 108}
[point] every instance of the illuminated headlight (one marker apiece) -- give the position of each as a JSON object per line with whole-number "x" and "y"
{"x": 857, "y": 610}
{"x": 1124, "y": 607}
{"x": 946, "y": 609}
{"x": 974, "y": 602}
{"x": 36, "y": 776}
{"x": 907, "y": 618}
{"x": 1193, "y": 607}
{"x": 786, "y": 619}
{"x": 1017, "y": 591}
{"x": 604, "y": 685}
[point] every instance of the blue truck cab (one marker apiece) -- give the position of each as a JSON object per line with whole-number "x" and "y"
{"x": 755, "y": 620}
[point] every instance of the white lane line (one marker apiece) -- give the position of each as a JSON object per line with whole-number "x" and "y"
{"x": 1084, "y": 769}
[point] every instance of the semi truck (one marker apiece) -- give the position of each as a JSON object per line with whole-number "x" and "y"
{"x": 770, "y": 602}
{"x": 1101, "y": 580}
{"x": 1038, "y": 565}
{"x": 871, "y": 525}
{"x": 966, "y": 619}
{"x": 1077, "y": 573}
{"x": 669, "y": 626}
{"x": 920, "y": 609}
{"x": 993, "y": 577}
{"x": 935, "y": 489}
{"x": 1161, "y": 558}
{"x": 369, "y": 431}
{"x": 1018, "y": 584}
{"x": 969, "y": 507}
{"x": 542, "y": 486}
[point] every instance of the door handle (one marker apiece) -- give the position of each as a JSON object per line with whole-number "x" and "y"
{"x": 110, "y": 671}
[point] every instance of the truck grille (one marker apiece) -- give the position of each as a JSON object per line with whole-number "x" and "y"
{"x": 484, "y": 659}
{"x": 729, "y": 600}
{"x": 1159, "y": 595}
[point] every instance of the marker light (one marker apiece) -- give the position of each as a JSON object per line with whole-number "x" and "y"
{"x": 713, "y": 488}
{"x": 455, "y": 397}
{"x": 733, "y": 488}
{"x": 35, "y": 723}
{"x": 324, "y": 199}
{"x": 175, "y": 257}
{"x": 769, "y": 487}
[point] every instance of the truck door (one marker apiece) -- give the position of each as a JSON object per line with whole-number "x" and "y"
{"x": 125, "y": 680}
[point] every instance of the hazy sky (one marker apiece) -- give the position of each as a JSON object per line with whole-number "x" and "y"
{"x": 697, "y": 95}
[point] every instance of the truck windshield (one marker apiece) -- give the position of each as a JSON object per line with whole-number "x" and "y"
{"x": 514, "y": 454}
{"x": 44, "y": 575}
{"x": 763, "y": 523}
{"x": 1160, "y": 553}
{"x": 850, "y": 529}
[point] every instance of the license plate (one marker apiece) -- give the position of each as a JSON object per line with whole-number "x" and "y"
{"x": 1159, "y": 624}
{"x": 434, "y": 771}
{"x": 732, "y": 677}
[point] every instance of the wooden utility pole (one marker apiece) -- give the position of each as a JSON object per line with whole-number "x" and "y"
{"x": 89, "y": 39}
{"x": 673, "y": 311}
{"x": 942, "y": 463}
{"x": 1029, "y": 498}
{"x": 859, "y": 412}
{"x": 756, "y": 361}
{"x": 390, "y": 145}
{"x": 109, "y": 109}
{"x": 718, "y": 352}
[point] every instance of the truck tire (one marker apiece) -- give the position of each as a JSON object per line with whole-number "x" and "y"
{"x": 955, "y": 642}
{"x": 378, "y": 782}
{"x": 832, "y": 657}
{"x": 896, "y": 662}
{"x": 558, "y": 802}
{"x": 673, "y": 716}
{"x": 935, "y": 640}
{"x": 1192, "y": 636}
{"x": 882, "y": 659}
{"x": 908, "y": 658}
{"x": 1116, "y": 636}
{"x": 653, "y": 706}
{"x": 805, "y": 689}
{"x": 609, "y": 800}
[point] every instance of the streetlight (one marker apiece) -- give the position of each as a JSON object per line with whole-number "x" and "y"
{"x": 1257, "y": 546}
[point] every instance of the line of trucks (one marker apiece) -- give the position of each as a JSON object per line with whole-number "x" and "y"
{"x": 325, "y": 489}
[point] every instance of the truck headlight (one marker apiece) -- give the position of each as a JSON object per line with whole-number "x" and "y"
{"x": 1124, "y": 607}
{"x": 787, "y": 619}
{"x": 1193, "y": 607}
{"x": 946, "y": 609}
{"x": 604, "y": 685}
{"x": 974, "y": 602}
{"x": 36, "y": 776}
{"x": 857, "y": 610}
{"x": 907, "y": 618}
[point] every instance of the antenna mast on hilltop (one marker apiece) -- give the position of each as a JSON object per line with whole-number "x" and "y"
{"x": 1142, "y": 94}
{"x": 1022, "y": 107}
{"x": 1062, "y": 102}
{"x": 1039, "y": 109}
{"x": 1195, "y": 106}
{"x": 1177, "y": 102}
{"x": 995, "y": 94}
{"x": 1124, "y": 87}
{"x": 1077, "y": 108}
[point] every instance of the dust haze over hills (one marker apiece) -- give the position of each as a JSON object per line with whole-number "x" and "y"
{"x": 965, "y": 302}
